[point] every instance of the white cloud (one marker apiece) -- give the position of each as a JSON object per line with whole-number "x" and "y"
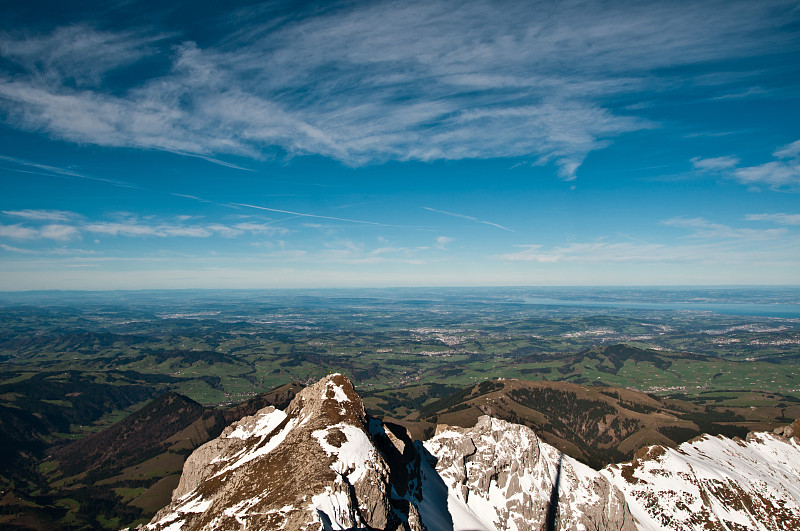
{"x": 442, "y": 242}
{"x": 187, "y": 232}
{"x": 780, "y": 174}
{"x": 780, "y": 218}
{"x": 792, "y": 151}
{"x": 224, "y": 230}
{"x": 17, "y": 232}
{"x": 136, "y": 228}
{"x": 121, "y": 229}
{"x": 42, "y": 215}
{"x": 713, "y": 243}
{"x": 702, "y": 228}
{"x": 52, "y": 232}
{"x": 776, "y": 175}
{"x": 58, "y": 232}
{"x": 78, "y": 53}
{"x": 719, "y": 253}
{"x": 369, "y": 82}
{"x": 12, "y": 249}
{"x": 594, "y": 252}
{"x": 259, "y": 228}
{"x": 714, "y": 164}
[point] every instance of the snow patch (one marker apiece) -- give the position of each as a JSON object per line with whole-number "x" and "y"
{"x": 273, "y": 443}
{"x": 176, "y": 526}
{"x": 332, "y": 509}
{"x": 465, "y": 517}
{"x": 354, "y": 456}
{"x": 198, "y": 505}
{"x": 265, "y": 423}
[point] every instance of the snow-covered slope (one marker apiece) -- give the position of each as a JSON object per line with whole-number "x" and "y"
{"x": 715, "y": 483}
{"x": 323, "y": 464}
{"x": 502, "y": 476}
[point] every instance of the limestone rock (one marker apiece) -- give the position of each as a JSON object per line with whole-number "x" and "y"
{"x": 314, "y": 466}
{"x": 714, "y": 484}
{"x": 504, "y": 477}
{"x": 324, "y": 464}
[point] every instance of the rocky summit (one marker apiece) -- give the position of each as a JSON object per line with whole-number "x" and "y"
{"x": 315, "y": 465}
{"x": 324, "y": 464}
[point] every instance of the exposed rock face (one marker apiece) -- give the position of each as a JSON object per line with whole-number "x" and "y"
{"x": 314, "y": 466}
{"x": 715, "y": 483}
{"x": 323, "y": 464}
{"x": 501, "y": 476}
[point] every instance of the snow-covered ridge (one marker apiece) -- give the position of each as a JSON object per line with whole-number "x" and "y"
{"x": 323, "y": 464}
{"x": 715, "y": 483}
{"x": 500, "y": 475}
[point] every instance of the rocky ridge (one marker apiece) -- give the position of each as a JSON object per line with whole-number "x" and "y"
{"x": 715, "y": 484}
{"x": 502, "y": 476}
{"x": 313, "y": 464}
{"x": 324, "y": 464}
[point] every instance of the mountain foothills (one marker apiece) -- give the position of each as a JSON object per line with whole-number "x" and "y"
{"x": 313, "y": 458}
{"x": 323, "y": 463}
{"x": 125, "y": 471}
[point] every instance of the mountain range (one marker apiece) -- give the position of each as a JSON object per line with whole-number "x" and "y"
{"x": 324, "y": 463}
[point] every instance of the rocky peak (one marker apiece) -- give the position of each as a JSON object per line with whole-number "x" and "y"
{"x": 332, "y": 400}
{"x": 316, "y": 464}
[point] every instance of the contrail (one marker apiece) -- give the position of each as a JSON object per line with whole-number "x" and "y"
{"x": 302, "y": 214}
{"x": 471, "y": 218}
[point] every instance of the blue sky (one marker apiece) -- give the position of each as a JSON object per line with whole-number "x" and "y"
{"x": 287, "y": 144}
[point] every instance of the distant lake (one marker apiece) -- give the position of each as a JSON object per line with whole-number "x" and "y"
{"x": 755, "y": 309}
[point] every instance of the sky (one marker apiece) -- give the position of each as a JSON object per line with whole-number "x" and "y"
{"x": 368, "y": 143}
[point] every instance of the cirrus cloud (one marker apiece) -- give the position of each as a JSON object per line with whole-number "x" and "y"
{"x": 779, "y": 218}
{"x": 370, "y": 82}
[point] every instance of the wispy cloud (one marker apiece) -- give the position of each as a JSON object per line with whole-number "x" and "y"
{"x": 12, "y": 249}
{"x": 705, "y": 252}
{"x": 52, "y": 231}
{"x": 708, "y": 243}
{"x": 369, "y": 82}
{"x": 136, "y": 228}
{"x": 38, "y": 226}
{"x": 18, "y": 232}
{"x": 702, "y": 228}
{"x": 58, "y": 232}
{"x": 782, "y": 174}
{"x": 779, "y": 218}
{"x": 594, "y": 252}
{"x": 470, "y": 218}
{"x": 715, "y": 163}
{"x": 78, "y": 53}
{"x": 777, "y": 175}
{"x": 792, "y": 151}
{"x": 42, "y": 215}
{"x": 442, "y": 242}
{"x": 55, "y": 171}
